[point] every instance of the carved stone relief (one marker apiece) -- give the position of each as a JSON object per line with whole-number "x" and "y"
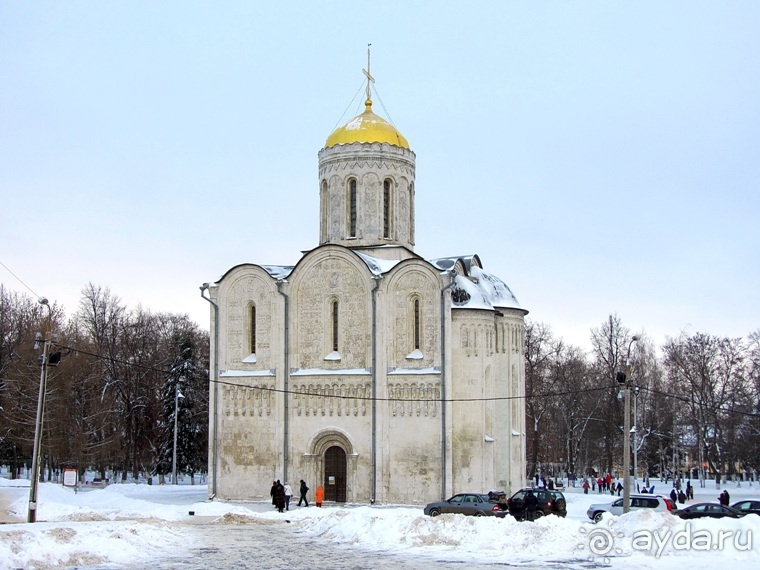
{"x": 414, "y": 399}
{"x": 251, "y": 400}
{"x": 328, "y": 279}
{"x": 331, "y": 398}
{"x": 411, "y": 285}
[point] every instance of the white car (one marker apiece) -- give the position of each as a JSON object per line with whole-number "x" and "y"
{"x": 655, "y": 502}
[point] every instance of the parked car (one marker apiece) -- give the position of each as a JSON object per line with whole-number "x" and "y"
{"x": 549, "y": 503}
{"x": 709, "y": 510}
{"x": 655, "y": 502}
{"x": 473, "y": 504}
{"x": 747, "y": 507}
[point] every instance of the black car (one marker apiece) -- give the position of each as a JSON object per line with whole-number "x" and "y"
{"x": 548, "y": 503}
{"x": 473, "y": 504}
{"x": 708, "y": 510}
{"x": 747, "y": 507}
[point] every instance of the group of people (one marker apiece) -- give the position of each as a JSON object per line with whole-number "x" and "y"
{"x": 724, "y": 498}
{"x": 680, "y": 495}
{"x": 281, "y": 495}
{"x": 603, "y": 484}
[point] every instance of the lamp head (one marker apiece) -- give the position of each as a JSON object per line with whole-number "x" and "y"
{"x": 42, "y": 301}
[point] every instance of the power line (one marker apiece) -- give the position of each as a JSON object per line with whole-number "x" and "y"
{"x": 420, "y": 400}
{"x": 19, "y": 279}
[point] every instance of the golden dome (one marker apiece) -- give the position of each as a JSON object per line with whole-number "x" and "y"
{"x": 367, "y": 128}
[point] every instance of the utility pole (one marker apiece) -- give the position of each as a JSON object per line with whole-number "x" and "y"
{"x": 177, "y": 396}
{"x": 636, "y": 391}
{"x": 33, "y": 484}
{"x": 624, "y": 378}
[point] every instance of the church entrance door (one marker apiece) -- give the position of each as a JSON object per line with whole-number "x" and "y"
{"x": 335, "y": 474}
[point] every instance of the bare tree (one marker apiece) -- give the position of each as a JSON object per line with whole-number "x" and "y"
{"x": 609, "y": 344}
{"x": 708, "y": 371}
{"x": 539, "y": 349}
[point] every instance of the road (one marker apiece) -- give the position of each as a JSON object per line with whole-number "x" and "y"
{"x": 236, "y": 542}
{"x": 274, "y": 545}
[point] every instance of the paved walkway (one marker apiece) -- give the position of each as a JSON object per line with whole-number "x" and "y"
{"x": 10, "y": 495}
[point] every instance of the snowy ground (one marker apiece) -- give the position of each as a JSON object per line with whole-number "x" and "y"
{"x": 127, "y": 524}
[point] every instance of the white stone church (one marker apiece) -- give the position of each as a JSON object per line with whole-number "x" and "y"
{"x": 381, "y": 376}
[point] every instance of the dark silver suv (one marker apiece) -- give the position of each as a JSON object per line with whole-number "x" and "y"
{"x": 548, "y": 503}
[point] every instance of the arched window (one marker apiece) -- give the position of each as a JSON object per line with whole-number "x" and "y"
{"x": 252, "y": 325}
{"x": 387, "y": 209}
{"x": 325, "y": 207}
{"x": 335, "y": 326}
{"x": 411, "y": 213}
{"x": 352, "y": 208}
{"x": 417, "y": 324}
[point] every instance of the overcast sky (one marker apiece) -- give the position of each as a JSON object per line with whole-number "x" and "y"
{"x": 600, "y": 157}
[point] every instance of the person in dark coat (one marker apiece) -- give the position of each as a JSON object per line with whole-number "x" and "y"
{"x": 531, "y": 503}
{"x": 681, "y": 497}
{"x": 303, "y": 490}
{"x": 279, "y": 496}
{"x": 271, "y": 492}
{"x": 673, "y": 495}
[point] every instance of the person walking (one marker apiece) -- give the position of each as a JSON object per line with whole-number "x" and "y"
{"x": 303, "y": 490}
{"x": 279, "y": 496}
{"x": 271, "y": 492}
{"x": 585, "y": 487}
{"x": 319, "y": 495}
{"x": 288, "y": 495}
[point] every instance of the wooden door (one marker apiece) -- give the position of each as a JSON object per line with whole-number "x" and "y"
{"x": 335, "y": 475}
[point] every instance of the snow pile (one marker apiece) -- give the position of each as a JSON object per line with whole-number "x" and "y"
{"x": 132, "y": 523}
{"x": 45, "y": 545}
{"x": 658, "y": 534}
{"x": 456, "y": 536}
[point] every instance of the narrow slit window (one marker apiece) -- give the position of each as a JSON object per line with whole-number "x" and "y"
{"x": 253, "y": 329}
{"x": 335, "y": 326}
{"x": 352, "y": 208}
{"x": 324, "y": 206}
{"x": 387, "y": 209}
{"x": 416, "y": 324}
{"x": 411, "y": 213}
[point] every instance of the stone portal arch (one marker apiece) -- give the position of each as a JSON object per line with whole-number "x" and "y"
{"x": 335, "y": 463}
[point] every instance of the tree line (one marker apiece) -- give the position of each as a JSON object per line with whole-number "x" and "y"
{"x": 111, "y": 398}
{"x": 116, "y": 377}
{"x": 696, "y": 401}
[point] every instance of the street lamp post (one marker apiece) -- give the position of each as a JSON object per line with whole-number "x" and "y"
{"x": 33, "y": 484}
{"x": 177, "y": 396}
{"x": 635, "y": 430}
{"x": 625, "y": 379}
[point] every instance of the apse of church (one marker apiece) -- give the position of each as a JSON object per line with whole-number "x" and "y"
{"x": 382, "y": 376}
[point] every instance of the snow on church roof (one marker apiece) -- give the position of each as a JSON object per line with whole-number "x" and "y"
{"x": 474, "y": 287}
{"x": 278, "y": 271}
{"x": 378, "y": 266}
{"x": 499, "y": 294}
{"x": 477, "y": 290}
